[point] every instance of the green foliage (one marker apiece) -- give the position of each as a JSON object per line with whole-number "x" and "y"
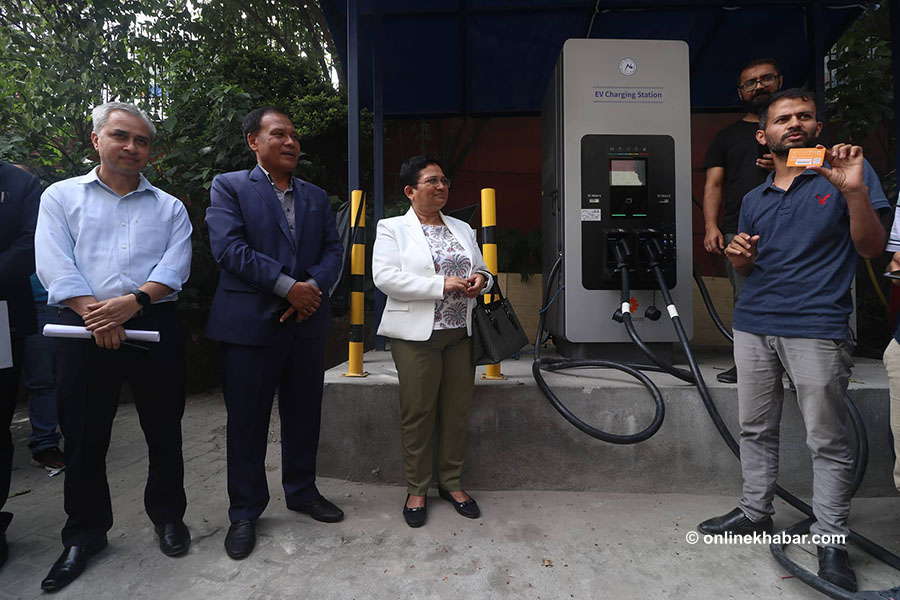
{"x": 197, "y": 67}
{"x": 58, "y": 60}
{"x": 521, "y": 252}
{"x": 857, "y": 98}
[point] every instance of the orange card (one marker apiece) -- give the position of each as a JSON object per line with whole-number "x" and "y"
{"x": 806, "y": 157}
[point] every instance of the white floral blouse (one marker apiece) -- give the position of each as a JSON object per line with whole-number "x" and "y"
{"x": 450, "y": 260}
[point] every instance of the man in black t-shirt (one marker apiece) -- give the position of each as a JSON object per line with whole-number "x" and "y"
{"x": 735, "y": 164}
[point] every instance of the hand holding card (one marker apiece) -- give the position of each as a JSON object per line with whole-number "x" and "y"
{"x": 806, "y": 157}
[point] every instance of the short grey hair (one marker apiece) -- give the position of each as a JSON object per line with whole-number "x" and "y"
{"x": 100, "y": 116}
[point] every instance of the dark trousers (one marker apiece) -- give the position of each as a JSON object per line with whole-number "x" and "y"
{"x": 89, "y": 380}
{"x": 250, "y": 376}
{"x": 436, "y": 383}
{"x": 9, "y": 386}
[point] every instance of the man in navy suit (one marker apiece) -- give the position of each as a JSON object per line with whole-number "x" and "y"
{"x": 20, "y": 196}
{"x": 274, "y": 236}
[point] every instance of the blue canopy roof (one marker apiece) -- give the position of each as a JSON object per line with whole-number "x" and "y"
{"x": 496, "y": 56}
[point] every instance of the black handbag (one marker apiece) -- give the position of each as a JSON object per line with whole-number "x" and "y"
{"x": 496, "y": 331}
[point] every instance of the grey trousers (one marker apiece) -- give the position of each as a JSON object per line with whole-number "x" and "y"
{"x": 820, "y": 369}
{"x": 436, "y": 383}
{"x": 892, "y": 364}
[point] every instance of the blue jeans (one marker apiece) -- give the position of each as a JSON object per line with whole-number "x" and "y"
{"x": 40, "y": 381}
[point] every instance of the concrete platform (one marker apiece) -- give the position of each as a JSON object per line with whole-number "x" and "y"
{"x": 528, "y": 544}
{"x": 518, "y": 441}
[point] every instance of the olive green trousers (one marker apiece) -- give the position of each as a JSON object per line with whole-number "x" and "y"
{"x": 436, "y": 383}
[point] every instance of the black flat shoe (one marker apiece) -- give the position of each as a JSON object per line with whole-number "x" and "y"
{"x": 240, "y": 539}
{"x": 729, "y": 376}
{"x": 319, "y": 509}
{"x": 468, "y": 509}
{"x": 70, "y": 564}
{"x": 415, "y": 517}
{"x": 174, "y": 538}
{"x": 834, "y": 567}
{"x": 735, "y": 522}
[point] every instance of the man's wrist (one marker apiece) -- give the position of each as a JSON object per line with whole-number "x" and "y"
{"x": 856, "y": 195}
{"x": 283, "y": 285}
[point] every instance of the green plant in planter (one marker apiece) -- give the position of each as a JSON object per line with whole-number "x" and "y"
{"x": 519, "y": 252}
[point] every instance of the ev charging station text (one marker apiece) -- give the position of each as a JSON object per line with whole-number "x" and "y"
{"x": 653, "y": 95}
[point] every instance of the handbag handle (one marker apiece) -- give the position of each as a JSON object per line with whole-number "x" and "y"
{"x": 501, "y": 302}
{"x": 491, "y": 292}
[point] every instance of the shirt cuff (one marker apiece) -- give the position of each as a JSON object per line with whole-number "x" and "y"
{"x": 312, "y": 281}
{"x": 64, "y": 288}
{"x": 283, "y": 285}
{"x": 166, "y": 276}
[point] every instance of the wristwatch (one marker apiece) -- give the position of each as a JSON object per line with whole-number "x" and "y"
{"x": 143, "y": 298}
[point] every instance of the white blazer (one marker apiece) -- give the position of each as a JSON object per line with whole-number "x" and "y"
{"x": 403, "y": 269}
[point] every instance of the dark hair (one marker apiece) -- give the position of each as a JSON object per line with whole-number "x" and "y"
{"x": 789, "y": 94}
{"x": 755, "y": 63}
{"x": 251, "y": 121}
{"x": 411, "y": 167}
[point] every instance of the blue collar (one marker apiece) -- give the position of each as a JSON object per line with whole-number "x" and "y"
{"x": 91, "y": 177}
{"x": 770, "y": 180}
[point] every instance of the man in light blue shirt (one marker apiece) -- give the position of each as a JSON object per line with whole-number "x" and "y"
{"x": 113, "y": 253}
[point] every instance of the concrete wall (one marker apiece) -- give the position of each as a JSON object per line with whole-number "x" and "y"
{"x": 518, "y": 441}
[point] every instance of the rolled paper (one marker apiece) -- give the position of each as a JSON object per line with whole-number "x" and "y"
{"x": 72, "y": 331}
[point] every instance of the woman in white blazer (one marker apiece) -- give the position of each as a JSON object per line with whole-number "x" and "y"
{"x": 430, "y": 268}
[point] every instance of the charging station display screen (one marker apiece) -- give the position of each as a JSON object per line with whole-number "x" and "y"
{"x": 628, "y": 172}
{"x": 628, "y": 187}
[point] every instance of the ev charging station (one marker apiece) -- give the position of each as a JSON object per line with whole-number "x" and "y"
{"x": 616, "y": 169}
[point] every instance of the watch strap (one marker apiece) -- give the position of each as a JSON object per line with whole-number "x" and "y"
{"x": 143, "y": 298}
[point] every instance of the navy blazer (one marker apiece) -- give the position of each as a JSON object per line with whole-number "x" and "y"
{"x": 252, "y": 242}
{"x": 20, "y": 196}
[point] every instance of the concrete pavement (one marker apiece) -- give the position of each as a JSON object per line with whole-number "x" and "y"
{"x": 528, "y": 544}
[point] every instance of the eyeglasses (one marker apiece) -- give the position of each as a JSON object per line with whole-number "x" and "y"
{"x": 765, "y": 80}
{"x": 434, "y": 181}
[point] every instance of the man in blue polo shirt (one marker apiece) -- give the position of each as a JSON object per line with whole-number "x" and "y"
{"x": 800, "y": 235}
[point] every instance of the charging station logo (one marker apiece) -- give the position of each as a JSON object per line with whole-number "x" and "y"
{"x": 822, "y": 200}
{"x": 627, "y": 67}
{"x": 634, "y": 304}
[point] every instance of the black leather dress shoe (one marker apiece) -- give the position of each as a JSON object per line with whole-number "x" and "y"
{"x": 735, "y": 522}
{"x": 834, "y": 567}
{"x": 415, "y": 517}
{"x": 70, "y": 564}
{"x": 174, "y": 538}
{"x": 729, "y": 376}
{"x": 320, "y": 509}
{"x": 468, "y": 509}
{"x": 240, "y": 539}
{"x": 5, "y": 518}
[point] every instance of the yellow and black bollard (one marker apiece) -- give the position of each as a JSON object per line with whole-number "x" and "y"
{"x": 357, "y": 279}
{"x": 489, "y": 250}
